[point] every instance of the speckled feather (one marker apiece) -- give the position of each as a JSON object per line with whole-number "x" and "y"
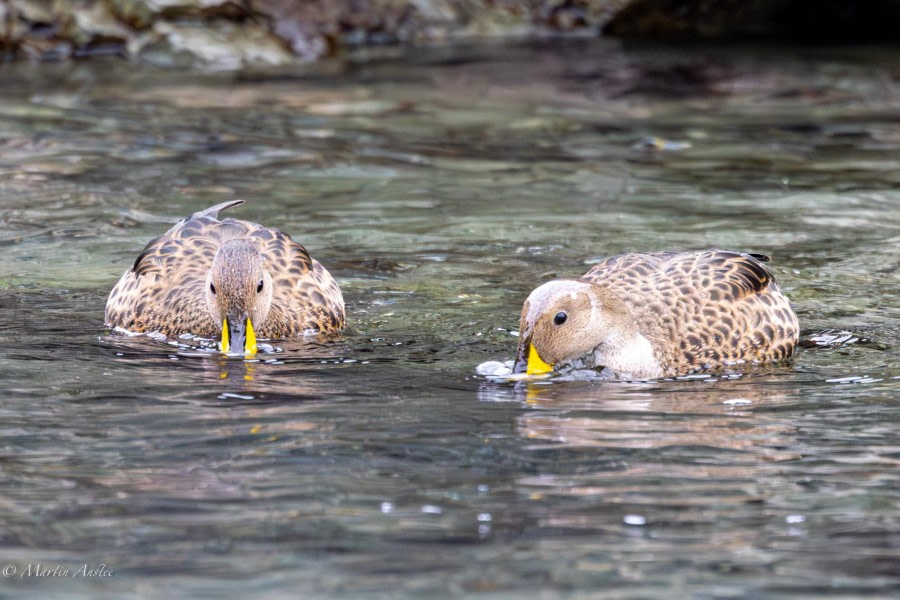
{"x": 702, "y": 309}
{"x": 165, "y": 288}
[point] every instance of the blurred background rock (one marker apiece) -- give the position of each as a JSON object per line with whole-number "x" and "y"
{"x": 232, "y": 33}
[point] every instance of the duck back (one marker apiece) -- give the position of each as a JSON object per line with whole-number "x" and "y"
{"x": 702, "y": 309}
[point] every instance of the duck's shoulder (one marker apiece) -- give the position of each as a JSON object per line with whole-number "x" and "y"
{"x": 306, "y": 295}
{"x": 282, "y": 254}
{"x": 733, "y": 275}
{"x": 190, "y": 244}
{"x": 630, "y": 265}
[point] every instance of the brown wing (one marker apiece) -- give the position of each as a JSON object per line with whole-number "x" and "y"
{"x": 305, "y": 297}
{"x": 165, "y": 289}
{"x": 702, "y": 309}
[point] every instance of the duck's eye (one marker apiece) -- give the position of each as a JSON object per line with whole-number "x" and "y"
{"x": 259, "y": 286}
{"x": 560, "y": 318}
{"x": 212, "y": 288}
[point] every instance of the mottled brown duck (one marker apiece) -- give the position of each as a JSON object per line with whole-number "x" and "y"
{"x": 659, "y": 315}
{"x": 227, "y": 278}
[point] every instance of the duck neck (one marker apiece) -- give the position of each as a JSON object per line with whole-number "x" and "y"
{"x": 629, "y": 354}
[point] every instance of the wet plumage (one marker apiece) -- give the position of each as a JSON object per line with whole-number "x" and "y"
{"x": 659, "y": 314}
{"x": 204, "y": 270}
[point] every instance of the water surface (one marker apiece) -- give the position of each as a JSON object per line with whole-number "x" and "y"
{"x": 440, "y": 187}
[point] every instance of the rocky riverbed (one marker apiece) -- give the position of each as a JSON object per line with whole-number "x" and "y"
{"x": 225, "y": 34}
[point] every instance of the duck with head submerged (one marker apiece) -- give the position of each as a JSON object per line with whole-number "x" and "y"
{"x": 227, "y": 278}
{"x": 653, "y": 315}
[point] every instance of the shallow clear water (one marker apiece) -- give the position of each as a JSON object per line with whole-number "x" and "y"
{"x": 439, "y": 188}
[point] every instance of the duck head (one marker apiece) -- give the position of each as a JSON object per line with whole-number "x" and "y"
{"x": 238, "y": 294}
{"x": 565, "y": 320}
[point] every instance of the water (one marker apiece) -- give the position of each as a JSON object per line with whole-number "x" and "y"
{"x": 439, "y": 188}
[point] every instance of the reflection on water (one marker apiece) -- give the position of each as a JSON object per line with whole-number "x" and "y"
{"x": 440, "y": 189}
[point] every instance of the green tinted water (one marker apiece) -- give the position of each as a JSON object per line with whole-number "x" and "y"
{"x": 439, "y": 188}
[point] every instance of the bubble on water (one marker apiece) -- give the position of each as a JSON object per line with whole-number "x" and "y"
{"x": 830, "y": 338}
{"x": 432, "y": 509}
{"x": 387, "y": 507}
{"x": 854, "y": 379}
{"x": 795, "y": 519}
{"x": 655, "y": 143}
{"x": 494, "y": 368}
{"x": 737, "y": 402}
{"x": 226, "y": 395}
{"x": 635, "y": 520}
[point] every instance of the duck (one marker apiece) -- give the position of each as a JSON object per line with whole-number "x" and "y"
{"x": 229, "y": 279}
{"x": 657, "y": 315}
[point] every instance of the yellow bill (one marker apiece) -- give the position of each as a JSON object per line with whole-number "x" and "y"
{"x": 536, "y": 365}
{"x": 224, "y": 346}
{"x": 244, "y": 338}
{"x": 250, "y": 339}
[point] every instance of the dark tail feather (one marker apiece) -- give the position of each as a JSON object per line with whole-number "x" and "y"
{"x": 213, "y": 211}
